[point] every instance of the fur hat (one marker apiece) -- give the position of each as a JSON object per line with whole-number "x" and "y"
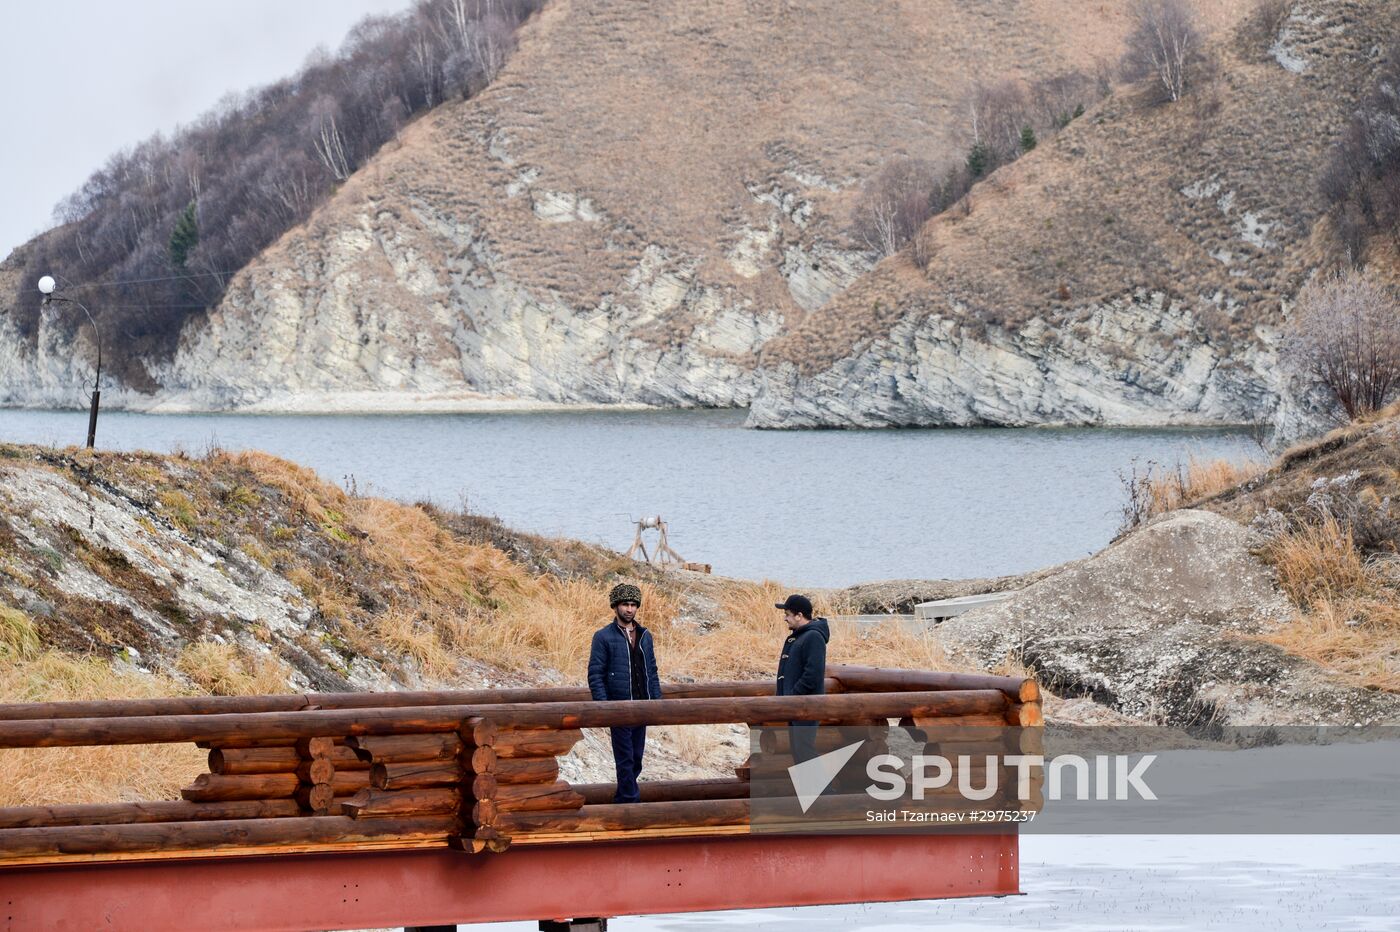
{"x": 624, "y": 592}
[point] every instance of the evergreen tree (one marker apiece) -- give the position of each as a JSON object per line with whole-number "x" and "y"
{"x": 184, "y": 237}
{"x": 1028, "y": 139}
{"x": 1078, "y": 111}
{"x": 979, "y": 159}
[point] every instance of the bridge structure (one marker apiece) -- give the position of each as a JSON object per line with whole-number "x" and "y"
{"x": 427, "y": 809}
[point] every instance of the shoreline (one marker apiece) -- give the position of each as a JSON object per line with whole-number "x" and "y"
{"x": 400, "y": 404}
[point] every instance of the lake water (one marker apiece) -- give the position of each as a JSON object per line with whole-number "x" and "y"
{"x": 822, "y": 508}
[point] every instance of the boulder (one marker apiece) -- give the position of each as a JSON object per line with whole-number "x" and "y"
{"x": 1161, "y": 626}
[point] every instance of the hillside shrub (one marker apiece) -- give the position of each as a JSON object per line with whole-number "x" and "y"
{"x": 1165, "y": 46}
{"x": 1361, "y": 181}
{"x": 1345, "y": 332}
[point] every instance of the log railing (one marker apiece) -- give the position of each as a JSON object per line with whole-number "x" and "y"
{"x": 476, "y": 770}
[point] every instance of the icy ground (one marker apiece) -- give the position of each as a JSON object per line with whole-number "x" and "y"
{"x": 1125, "y": 882}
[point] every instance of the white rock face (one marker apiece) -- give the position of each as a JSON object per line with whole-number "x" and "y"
{"x": 1132, "y": 362}
{"x": 420, "y": 313}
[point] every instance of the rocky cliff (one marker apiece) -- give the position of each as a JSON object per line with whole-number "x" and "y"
{"x": 645, "y": 197}
{"x": 1136, "y": 269}
{"x": 651, "y": 205}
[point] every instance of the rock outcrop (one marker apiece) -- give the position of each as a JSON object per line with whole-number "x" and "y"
{"x": 1159, "y": 627}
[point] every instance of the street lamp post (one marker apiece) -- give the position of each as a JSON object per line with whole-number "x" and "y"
{"x": 47, "y": 286}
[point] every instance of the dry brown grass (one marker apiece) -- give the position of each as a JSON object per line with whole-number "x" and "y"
{"x": 1100, "y": 210}
{"x": 1317, "y": 563}
{"x": 397, "y": 583}
{"x": 1160, "y": 490}
{"x": 228, "y": 670}
{"x": 79, "y": 775}
{"x": 1349, "y": 619}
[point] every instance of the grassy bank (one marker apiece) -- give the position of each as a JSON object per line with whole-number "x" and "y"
{"x": 1326, "y": 516}
{"x": 99, "y": 598}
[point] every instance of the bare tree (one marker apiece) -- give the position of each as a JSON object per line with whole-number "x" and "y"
{"x": 1345, "y": 331}
{"x": 1361, "y": 181}
{"x": 998, "y": 113}
{"x": 329, "y": 141}
{"x": 1165, "y": 45}
{"x": 895, "y": 204}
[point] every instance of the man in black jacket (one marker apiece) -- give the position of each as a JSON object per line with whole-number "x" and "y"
{"x": 622, "y": 665}
{"x": 802, "y": 667}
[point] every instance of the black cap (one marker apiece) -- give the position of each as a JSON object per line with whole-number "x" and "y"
{"x": 796, "y": 603}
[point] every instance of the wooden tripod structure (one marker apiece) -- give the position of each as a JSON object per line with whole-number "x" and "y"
{"x": 665, "y": 556}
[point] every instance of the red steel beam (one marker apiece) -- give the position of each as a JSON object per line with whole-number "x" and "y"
{"x": 396, "y": 888}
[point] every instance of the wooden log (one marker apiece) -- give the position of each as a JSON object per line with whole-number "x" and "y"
{"x": 321, "y": 746}
{"x": 316, "y": 798}
{"x": 414, "y": 775}
{"x": 244, "y": 705}
{"x": 478, "y": 732}
{"x": 133, "y": 813}
{"x": 667, "y": 791}
{"x": 484, "y": 785}
{"x": 350, "y": 782}
{"x": 564, "y": 715}
{"x": 210, "y": 787}
{"x": 484, "y": 839}
{"x": 855, "y": 678}
{"x": 525, "y": 770}
{"x": 991, "y": 719}
{"x": 397, "y": 749}
{"x": 372, "y": 803}
{"x": 211, "y": 836}
{"x": 532, "y": 797}
{"x": 230, "y": 761}
{"x": 484, "y": 812}
{"x": 1025, "y": 715}
{"x": 319, "y": 770}
{"x": 624, "y": 816}
{"x": 247, "y": 743}
{"x": 535, "y": 742}
{"x": 778, "y": 740}
{"x": 483, "y": 760}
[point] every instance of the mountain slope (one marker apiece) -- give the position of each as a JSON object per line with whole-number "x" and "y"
{"x": 1132, "y": 271}
{"x": 645, "y": 196}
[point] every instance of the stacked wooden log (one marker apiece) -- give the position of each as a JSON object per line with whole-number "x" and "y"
{"x": 517, "y": 773}
{"x": 316, "y": 773}
{"x": 342, "y": 772}
{"x": 413, "y": 775}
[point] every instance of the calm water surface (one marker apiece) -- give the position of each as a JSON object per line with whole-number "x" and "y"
{"x": 809, "y": 508}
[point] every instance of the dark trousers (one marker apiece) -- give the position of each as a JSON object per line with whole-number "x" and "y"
{"x": 802, "y": 738}
{"x": 628, "y": 745}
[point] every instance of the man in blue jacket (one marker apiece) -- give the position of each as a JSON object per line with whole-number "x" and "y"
{"x": 802, "y": 667}
{"x": 622, "y": 665}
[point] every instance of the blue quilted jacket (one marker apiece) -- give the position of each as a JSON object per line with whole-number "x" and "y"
{"x": 610, "y": 664}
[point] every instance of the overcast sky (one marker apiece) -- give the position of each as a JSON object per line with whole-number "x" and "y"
{"x": 80, "y": 79}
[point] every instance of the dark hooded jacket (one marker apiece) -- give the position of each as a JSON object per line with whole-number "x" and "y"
{"x": 802, "y": 666}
